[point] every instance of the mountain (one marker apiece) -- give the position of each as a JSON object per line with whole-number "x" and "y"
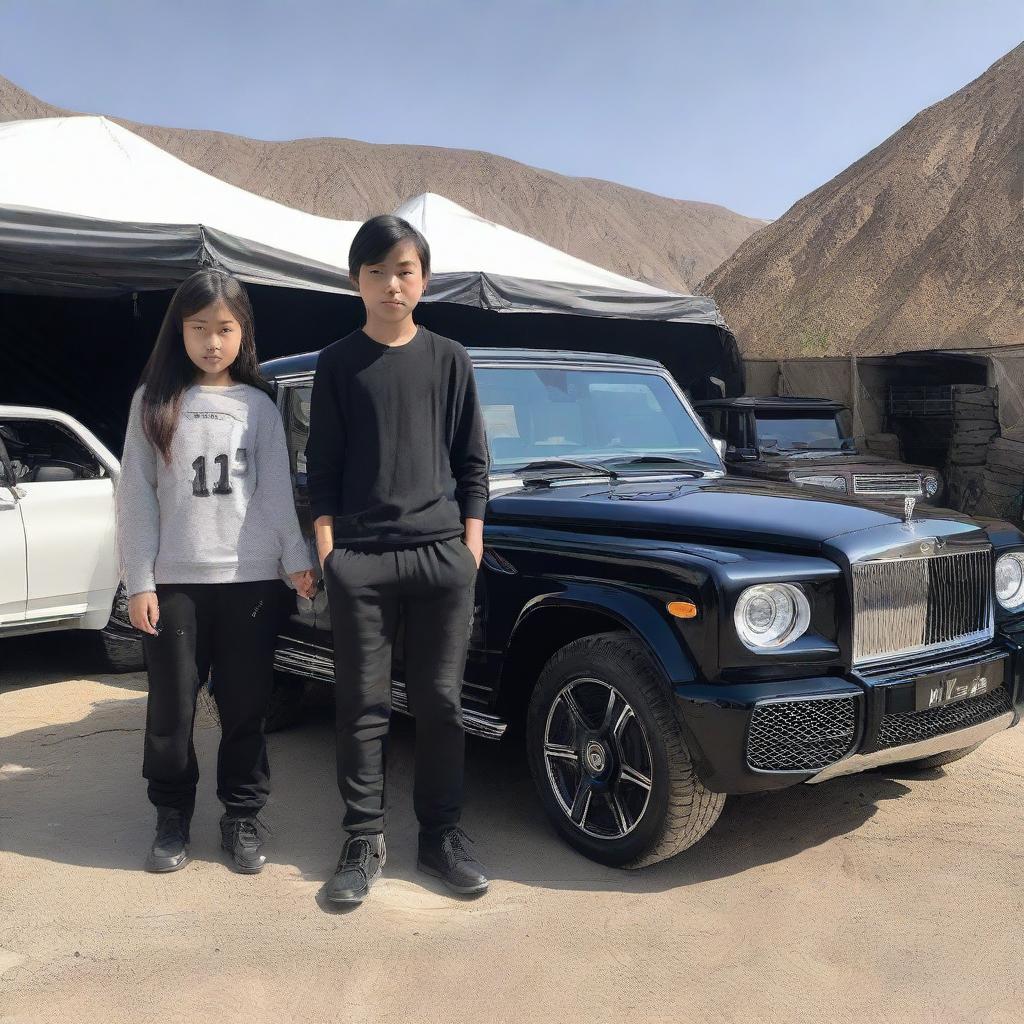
{"x": 919, "y": 244}
{"x": 666, "y": 242}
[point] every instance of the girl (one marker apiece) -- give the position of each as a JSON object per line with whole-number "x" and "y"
{"x": 204, "y": 519}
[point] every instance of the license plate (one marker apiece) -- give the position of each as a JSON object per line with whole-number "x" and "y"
{"x": 941, "y": 688}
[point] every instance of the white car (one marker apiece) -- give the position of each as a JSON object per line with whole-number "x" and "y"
{"x": 58, "y": 563}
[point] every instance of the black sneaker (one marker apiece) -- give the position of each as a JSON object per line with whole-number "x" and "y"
{"x": 443, "y": 854}
{"x": 359, "y": 866}
{"x": 239, "y": 837}
{"x": 169, "y": 851}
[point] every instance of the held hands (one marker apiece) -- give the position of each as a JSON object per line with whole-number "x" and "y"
{"x": 304, "y": 583}
{"x": 144, "y": 611}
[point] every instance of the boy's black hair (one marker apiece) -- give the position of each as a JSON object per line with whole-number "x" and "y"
{"x": 377, "y": 236}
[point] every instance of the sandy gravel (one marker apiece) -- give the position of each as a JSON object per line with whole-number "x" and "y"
{"x": 878, "y": 898}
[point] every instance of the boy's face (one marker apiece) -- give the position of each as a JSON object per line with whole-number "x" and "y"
{"x": 391, "y": 289}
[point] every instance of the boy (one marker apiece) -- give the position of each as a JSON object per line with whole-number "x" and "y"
{"x": 398, "y": 466}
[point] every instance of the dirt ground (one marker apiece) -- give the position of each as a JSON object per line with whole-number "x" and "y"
{"x": 881, "y": 897}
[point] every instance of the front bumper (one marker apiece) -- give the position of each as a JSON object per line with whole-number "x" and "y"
{"x": 956, "y": 740}
{"x": 751, "y": 737}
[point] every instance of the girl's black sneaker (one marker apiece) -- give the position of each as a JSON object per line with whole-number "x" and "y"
{"x": 239, "y": 837}
{"x": 169, "y": 851}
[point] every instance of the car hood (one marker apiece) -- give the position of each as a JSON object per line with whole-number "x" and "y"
{"x": 728, "y": 509}
{"x": 811, "y": 462}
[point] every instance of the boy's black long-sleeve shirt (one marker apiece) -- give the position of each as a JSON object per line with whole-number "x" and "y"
{"x": 397, "y": 452}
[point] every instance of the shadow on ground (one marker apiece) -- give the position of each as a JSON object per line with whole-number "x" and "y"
{"x": 73, "y": 793}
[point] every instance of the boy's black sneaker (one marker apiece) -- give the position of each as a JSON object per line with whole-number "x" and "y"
{"x": 360, "y": 864}
{"x": 169, "y": 851}
{"x": 443, "y": 854}
{"x": 239, "y": 837}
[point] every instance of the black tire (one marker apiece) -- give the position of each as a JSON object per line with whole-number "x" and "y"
{"x": 119, "y": 654}
{"x": 677, "y": 810}
{"x": 284, "y": 710}
{"x": 938, "y": 760}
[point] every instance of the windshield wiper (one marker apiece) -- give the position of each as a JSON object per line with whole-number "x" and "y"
{"x": 691, "y": 465}
{"x": 556, "y": 463}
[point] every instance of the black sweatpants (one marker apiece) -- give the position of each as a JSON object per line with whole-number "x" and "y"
{"x": 230, "y": 628}
{"x": 428, "y": 589}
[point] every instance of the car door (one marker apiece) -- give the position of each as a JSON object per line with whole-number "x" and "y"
{"x": 68, "y": 512}
{"x": 13, "y": 553}
{"x": 293, "y": 399}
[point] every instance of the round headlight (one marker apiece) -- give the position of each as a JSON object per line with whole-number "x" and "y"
{"x": 931, "y": 486}
{"x": 1010, "y": 580}
{"x": 771, "y": 615}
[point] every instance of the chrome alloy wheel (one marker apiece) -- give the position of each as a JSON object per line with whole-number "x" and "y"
{"x": 598, "y": 759}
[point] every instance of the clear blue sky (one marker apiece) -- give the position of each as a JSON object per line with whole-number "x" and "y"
{"x": 744, "y": 103}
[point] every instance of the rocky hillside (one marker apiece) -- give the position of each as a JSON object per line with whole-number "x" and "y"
{"x": 919, "y": 244}
{"x": 666, "y": 242}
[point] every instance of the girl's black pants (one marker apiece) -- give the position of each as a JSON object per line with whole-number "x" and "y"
{"x": 231, "y": 629}
{"x": 428, "y": 591}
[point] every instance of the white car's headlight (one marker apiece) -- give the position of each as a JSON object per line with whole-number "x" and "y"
{"x": 931, "y": 486}
{"x": 771, "y": 615}
{"x": 1010, "y": 580}
{"x": 833, "y": 483}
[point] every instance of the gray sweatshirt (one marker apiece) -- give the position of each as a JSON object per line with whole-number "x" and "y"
{"x": 222, "y": 510}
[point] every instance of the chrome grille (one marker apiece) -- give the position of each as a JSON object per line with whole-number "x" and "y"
{"x": 887, "y": 483}
{"x": 801, "y": 735}
{"x": 906, "y": 606}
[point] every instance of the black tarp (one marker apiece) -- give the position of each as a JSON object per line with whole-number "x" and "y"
{"x": 81, "y": 301}
{"x": 43, "y": 252}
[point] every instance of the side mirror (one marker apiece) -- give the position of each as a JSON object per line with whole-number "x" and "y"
{"x": 719, "y": 446}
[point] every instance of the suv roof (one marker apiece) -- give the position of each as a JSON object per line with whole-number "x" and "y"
{"x": 769, "y": 402}
{"x": 305, "y": 362}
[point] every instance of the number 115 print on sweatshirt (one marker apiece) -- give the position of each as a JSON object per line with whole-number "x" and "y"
{"x": 221, "y": 509}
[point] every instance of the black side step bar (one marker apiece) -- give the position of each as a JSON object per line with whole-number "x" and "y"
{"x": 314, "y": 662}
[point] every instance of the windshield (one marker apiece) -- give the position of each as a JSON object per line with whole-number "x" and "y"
{"x": 790, "y": 431}
{"x": 535, "y": 413}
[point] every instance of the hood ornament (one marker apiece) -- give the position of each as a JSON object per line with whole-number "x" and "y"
{"x": 908, "y": 509}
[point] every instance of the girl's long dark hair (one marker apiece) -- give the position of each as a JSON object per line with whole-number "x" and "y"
{"x": 169, "y": 371}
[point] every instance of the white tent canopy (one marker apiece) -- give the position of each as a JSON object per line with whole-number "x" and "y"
{"x": 460, "y": 241}
{"x": 92, "y": 167}
{"x": 88, "y": 207}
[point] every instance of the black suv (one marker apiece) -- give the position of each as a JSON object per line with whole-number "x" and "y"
{"x": 666, "y": 635}
{"x": 808, "y": 442}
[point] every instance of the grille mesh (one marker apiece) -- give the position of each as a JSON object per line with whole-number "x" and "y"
{"x": 801, "y": 735}
{"x": 911, "y": 726}
{"x": 887, "y": 483}
{"x": 908, "y": 605}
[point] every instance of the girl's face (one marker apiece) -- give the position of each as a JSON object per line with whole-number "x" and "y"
{"x": 212, "y": 339}
{"x": 390, "y": 289}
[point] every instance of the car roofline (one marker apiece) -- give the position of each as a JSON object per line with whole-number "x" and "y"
{"x": 305, "y": 362}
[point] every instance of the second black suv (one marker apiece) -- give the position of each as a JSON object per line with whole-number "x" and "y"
{"x": 808, "y": 442}
{"x": 666, "y": 635}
